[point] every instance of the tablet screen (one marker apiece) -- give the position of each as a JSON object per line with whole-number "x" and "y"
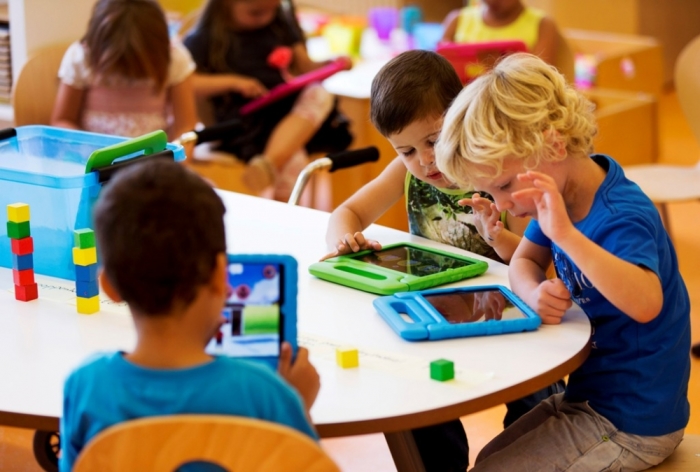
{"x": 410, "y": 260}
{"x": 253, "y": 326}
{"x": 472, "y": 307}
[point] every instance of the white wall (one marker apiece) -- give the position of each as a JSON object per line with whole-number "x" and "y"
{"x": 38, "y": 23}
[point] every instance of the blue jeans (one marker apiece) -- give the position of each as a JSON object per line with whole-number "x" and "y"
{"x": 444, "y": 447}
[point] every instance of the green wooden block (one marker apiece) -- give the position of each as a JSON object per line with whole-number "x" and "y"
{"x": 84, "y": 238}
{"x": 442, "y": 370}
{"x": 18, "y": 230}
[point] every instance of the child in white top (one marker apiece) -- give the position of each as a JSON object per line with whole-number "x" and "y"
{"x": 125, "y": 76}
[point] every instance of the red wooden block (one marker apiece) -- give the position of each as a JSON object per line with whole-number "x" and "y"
{"x": 26, "y": 293}
{"x": 23, "y": 277}
{"x": 22, "y": 246}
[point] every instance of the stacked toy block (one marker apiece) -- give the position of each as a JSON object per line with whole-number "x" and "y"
{"x": 85, "y": 260}
{"x": 22, "y": 252}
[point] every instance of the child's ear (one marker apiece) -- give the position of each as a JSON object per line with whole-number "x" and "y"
{"x": 108, "y": 288}
{"x": 219, "y": 281}
{"x": 557, "y": 142}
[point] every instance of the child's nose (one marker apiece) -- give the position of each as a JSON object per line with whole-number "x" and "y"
{"x": 427, "y": 158}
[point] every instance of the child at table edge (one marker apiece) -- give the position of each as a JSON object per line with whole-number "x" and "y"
{"x": 626, "y": 407}
{"x": 160, "y": 233}
{"x": 436, "y": 208}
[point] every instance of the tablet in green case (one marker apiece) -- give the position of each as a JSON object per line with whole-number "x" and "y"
{"x": 398, "y": 268}
{"x": 456, "y": 312}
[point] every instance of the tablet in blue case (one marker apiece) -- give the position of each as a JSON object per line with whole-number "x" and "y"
{"x": 261, "y": 310}
{"x": 456, "y": 312}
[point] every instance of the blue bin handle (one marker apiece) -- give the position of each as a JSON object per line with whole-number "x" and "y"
{"x": 148, "y": 143}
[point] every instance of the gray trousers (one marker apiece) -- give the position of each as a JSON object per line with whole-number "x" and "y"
{"x": 560, "y": 436}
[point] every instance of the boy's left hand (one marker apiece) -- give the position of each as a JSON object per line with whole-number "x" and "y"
{"x": 551, "y": 209}
{"x": 487, "y": 218}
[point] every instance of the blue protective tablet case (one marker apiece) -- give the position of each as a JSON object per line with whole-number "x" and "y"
{"x": 427, "y": 324}
{"x": 275, "y": 290}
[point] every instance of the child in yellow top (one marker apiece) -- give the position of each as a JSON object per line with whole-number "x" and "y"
{"x": 498, "y": 20}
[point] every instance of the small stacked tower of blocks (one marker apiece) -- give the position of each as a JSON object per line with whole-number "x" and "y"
{"x": 22, "y": 246}
{"x": 85, "y": 260}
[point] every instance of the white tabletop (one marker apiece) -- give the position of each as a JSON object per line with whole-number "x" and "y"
{"x": 42, "y": 340}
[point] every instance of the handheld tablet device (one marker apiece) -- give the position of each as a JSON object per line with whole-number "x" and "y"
{"x": 470, "y": 60}
{"x": 456, "y": 312}
{"x": 296, "y": 84}
{"x": 397, "y": 268}
{"x": 261, "y": 310}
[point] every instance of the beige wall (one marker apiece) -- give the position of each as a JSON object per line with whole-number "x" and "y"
{"x": 673, "y": 22}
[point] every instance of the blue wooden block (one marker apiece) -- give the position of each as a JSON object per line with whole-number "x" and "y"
{"x": 23, "y": 262}
{"x": 86, "y": 289}
{"x": 86, "y": 273}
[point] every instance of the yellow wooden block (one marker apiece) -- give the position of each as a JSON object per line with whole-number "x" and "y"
{"x": 347, "y": 358}
{"x": 88, "y": 306}
{"x": 18, "y": 212}
{"x": 84, "y": 257}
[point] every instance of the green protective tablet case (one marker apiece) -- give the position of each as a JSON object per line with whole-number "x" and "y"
{"x": 352, "y": 271}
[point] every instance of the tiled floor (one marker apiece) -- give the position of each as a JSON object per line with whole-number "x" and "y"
{"x": 370, "y": 453}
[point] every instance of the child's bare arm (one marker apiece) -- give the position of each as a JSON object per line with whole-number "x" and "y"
{"x": 184, "y": 109}
{"x": 634, "y": 290}
{"x": 527, "y": 273}
{"x": 450, "y": 25}
{"x": 67, "y": 107}
{"x": 548, "y": 41}
{"x": 210, "y": 85}
{"x": 362, "y": 209}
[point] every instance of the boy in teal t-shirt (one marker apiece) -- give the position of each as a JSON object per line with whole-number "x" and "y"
{"x": 160, "y": 233}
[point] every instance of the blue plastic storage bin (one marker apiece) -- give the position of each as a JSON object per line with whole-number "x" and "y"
{"x": 59, "y": 174}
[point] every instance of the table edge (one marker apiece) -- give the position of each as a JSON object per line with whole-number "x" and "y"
{"x": 440, "y": 415}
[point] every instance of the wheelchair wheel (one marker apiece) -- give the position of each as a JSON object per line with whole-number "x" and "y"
{"x": 47, "y": 446}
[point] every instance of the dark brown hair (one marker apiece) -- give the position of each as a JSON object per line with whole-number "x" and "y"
{"x": 411, "y": 86}
{"x": 159, "y": 229}
{"x": 215, "y": 20}
{"x": 128, "y": 38}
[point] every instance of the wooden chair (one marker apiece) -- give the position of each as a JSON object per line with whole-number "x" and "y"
{"x": 664, "y": 183}
{"x": 35, "y": 90}
{"x": 684, "y": 459}
{"x": 164, "y": 443}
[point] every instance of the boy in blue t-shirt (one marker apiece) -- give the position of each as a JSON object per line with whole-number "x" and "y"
{"x": 160, "y": 232}
{"x": 524, "y": 136}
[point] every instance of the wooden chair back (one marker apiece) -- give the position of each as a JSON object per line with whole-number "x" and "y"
{"x": 164, "y": 443}
{"x": 34, "y": 92}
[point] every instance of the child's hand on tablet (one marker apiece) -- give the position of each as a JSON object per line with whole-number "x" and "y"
{"x": 301, "y": 374}
{"x": 487, "y": 218}
{"x": 352, "y": 243}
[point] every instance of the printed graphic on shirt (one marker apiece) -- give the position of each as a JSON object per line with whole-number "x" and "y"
{"x": 575, "y": 281}
{"x": 436, "y": 215}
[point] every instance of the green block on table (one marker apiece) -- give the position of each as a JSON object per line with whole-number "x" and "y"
{"x": 442, "y": 370}
{"x": 84, "y": 238}
{"x": 18, "y": 230}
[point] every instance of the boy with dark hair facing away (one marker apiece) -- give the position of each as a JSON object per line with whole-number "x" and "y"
{"x": 160, "y": 232}
{"x": 409, "y": 97}
{"x": 521, "y": 133}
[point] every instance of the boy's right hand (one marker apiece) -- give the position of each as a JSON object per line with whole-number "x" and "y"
{"x": 551, "y": 300}
{"x": 352, "y": 243}
{"x": 301, "y": 374}
{"x": 487, "y": 218}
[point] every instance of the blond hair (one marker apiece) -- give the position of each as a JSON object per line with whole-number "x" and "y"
{"x": 511, "y": 111}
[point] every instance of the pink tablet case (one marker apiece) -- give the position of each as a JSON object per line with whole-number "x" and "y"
{"x": 472, "y": 59}
{"x": 295, "y": 85}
